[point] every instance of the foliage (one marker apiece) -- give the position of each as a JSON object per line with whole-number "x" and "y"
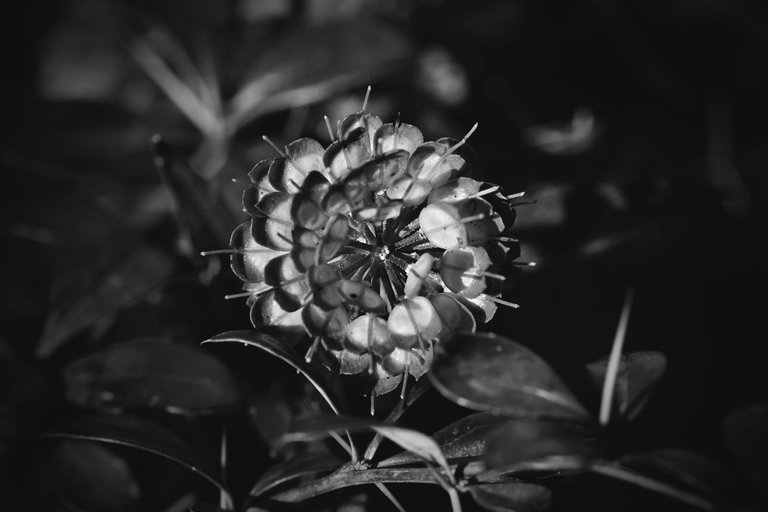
{"x": 129, "y": 382}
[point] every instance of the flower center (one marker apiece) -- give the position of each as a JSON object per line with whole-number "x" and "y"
{"x": 382, "y": 252}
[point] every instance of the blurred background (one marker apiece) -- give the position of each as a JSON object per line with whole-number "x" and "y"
{"x": 637, "y": 129}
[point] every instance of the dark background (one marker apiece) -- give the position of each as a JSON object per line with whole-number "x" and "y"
{"x": 666, "y": 194}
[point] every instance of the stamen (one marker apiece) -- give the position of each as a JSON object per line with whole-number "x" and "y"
{"x": 235, "y": 251}
{"x": 484, "y": 192}
{"x": 405, "y": 376}
{"x": 237, "y": 295}
{"x": 524, "y": 263}
{"x": 462, "y": 141}
{"x": 328, "y": 127}
{"x": 515, "y": 196}
{"x": 373, "y": 401}
{"x": 365, "y": 101}
{"x": 274, "y": 146}
{"x": 503, "y": 302}
{"x": 312, "y": 349}
{"x": 396, "y": 131}
{"x": 505, "y": 239}
{"x": 472, "y": 218}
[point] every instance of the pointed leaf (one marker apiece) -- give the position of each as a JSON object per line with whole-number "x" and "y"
{"x": 200, "y": 209}
{"x": 638, "y": 377}
{"x": 281, "y": 351}
{"x": 102, "y": 293}
{"x": 304, "y": 464}
{"x": 460, "y": 441}
{"x": 746, "y": 433}
{"x": 514, "y": 496}
{"x": 156, "y": 374}
{"x": 542, "y": 445}
{"x": 89, "y": 477}
{"x": 486, "y": 372}
{"x": 411, "y": 440}
{"x": 140, "y": 434}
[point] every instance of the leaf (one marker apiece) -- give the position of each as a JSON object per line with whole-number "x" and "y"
{"x": 460, "y": 441}
{"x": 746, "y": 434}
{"x": 487, "y": 372}
{"x": 89, "y": 477}
{"x": 411, "y": 440}
{"x": 300, "y": 465}
{"x": 200, "y": 209}
{"x": 155, "y": 374}
{"x": 274, "y": 347}
{"x": 140, "y": 434}
{"x": 516, "y": 496}
{"x": 685, "y": 469}
{"x": 101, "y": 294}
{"x": 638, "y": 377}
{"x": 311, "y": 64}
{"x": 540, "y": 445}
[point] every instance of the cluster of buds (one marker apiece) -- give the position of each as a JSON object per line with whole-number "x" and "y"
{"x": 376, "y": 247}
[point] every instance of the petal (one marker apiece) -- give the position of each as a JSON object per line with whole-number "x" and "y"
{"x": 249, "y": 264}
{"x": 408, "y": 138}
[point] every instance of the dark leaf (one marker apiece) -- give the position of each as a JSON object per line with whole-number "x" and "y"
{"x": 205, "y": 507}
{"x": 90, "y": 478}
{"x": 684, "y": 469}
{"x": 638, "y": 376}
{"x": 311, "y": 64}
{"x": 300, "y": 465}
{"x": 157, "y": 374}
{"x": 200, "y": 209}
{"x": 746, "y": 433}
{"x": 515, "y": 496}
{"x": 411, "y": 440}
{"x": 461, "y": 440}
{"x": 140, "y": 434}
{"x": 281, "y": 351}
{"x": 101, "y": 294}
{"x": 486, "y": 372}
{"x": 541, "y": 445}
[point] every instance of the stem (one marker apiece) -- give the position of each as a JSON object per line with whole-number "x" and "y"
{"x": 654, "y": 485}
{"x": 416, "y": 391}
{"x": 350, "y": 477}
{"x": 455, "y": 501}
{"x": 391, "y": 497}
{"x": 614, "y": 361}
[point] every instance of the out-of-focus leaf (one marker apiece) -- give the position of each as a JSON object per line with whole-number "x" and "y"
{"x": 140, "y": 434}
{"x": 106, "y": 291}
{"x": 461, "y": 440}
{"x": 157, "y": 374}
{"x": 746, "y": 433}
{"x": 311, "y": 64}
{"x": 298, "y": 466}
{"x": 486, "y": 372}
{"x": 573, "y": 137}
{"x": 281, "y": 351}
{"x": 514, "y": 496}
{"x": 411, "y": 440}
{"x": 90, "y": 478}
{"x": 205, "y": 507}
{"x": 200, "y": 209}
{"x": 682, "y": 468}
{"x": 639, "y": 374}
{"x": 541, "y": 445}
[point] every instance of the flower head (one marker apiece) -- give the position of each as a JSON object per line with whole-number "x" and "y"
{"x": 376, "y": 247}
